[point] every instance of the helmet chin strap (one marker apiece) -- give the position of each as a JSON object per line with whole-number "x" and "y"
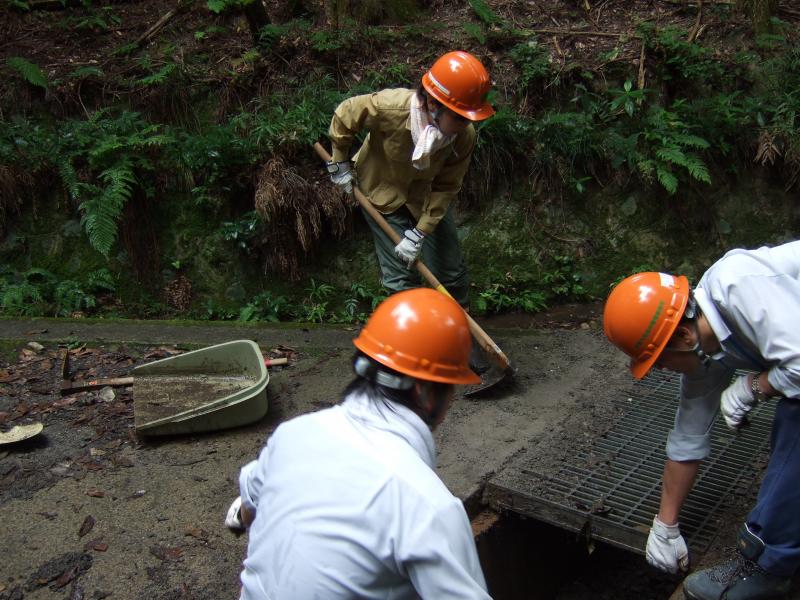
{"x": 693, "y": 312}
{"x": 367, "y": 370}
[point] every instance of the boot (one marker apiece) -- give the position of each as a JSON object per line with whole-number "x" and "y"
{"x": 739, "y": 579}
{"x": 477, "y": 360}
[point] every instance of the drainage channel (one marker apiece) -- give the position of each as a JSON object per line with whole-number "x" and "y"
{"x": 609, "y": 490}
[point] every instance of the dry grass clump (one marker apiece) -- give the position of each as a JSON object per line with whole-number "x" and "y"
{"x": 293, "y": 209}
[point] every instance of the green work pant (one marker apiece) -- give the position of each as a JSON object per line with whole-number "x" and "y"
{"x": 441, "y": 253}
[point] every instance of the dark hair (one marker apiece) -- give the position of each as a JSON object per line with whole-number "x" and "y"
{"x": 380, "y": 393}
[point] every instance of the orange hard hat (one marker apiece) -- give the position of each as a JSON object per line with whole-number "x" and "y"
{"x": 421, "y": 333}
{"x": 460, "y": 82}
{"x": 641, "y": 314}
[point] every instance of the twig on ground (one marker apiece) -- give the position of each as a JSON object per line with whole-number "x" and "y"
{"x": 640, "y": 81}
{"x": 696, "y": 29}
{"x": 589, "y": 33}
{"x": 161, "y": 23}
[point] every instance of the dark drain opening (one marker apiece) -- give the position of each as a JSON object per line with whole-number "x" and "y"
{"x": 525, "y": 559}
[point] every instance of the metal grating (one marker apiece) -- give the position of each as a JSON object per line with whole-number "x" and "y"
{"x": 614, "y": 486}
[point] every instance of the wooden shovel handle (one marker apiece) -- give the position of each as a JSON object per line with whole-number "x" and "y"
{"x": 477, "y": 331}
{"x": 274, "y": 362}
{"x": 68, "y": 387}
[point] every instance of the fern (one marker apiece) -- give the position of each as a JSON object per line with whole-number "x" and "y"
{"x": 29, "y": 71}
{"x": 69, "y": 297}
{"x": 475, "y": 31}
{"x": 21, "y": 299}
{"x": 83, "y": 72}
{"x": 667, "y": 179}
{"x": 158, "y": 77}
{"x": 68, "y": 176}
{"x": 671, "y": 154}
{"x": 697, "y": 168}
{"x": 101, "y": 213}
{"x": 484, "y": 12}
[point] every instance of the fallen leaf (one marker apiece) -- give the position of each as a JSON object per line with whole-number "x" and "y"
{"x": 95, "y": 544}
{"x": 88, "y": 523}
{"x": 66, "y": 577}
{"x": 64, "y": 402}
{"x": 196, "y": 532}
{"x": 166, "y": 554}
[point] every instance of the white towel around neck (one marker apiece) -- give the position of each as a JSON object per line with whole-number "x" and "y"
{"x": 427, "y": 138}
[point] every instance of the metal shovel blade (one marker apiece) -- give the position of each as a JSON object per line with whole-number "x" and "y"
{"x": 496, "y": 370}
{"x": 19, "y": 433}
{"x": 489, "y": 379}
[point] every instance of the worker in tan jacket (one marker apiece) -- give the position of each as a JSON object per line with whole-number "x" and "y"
{"x": 411, "y": 166}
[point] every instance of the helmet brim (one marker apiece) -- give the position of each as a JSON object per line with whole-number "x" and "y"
{"x": 640, "y": 368}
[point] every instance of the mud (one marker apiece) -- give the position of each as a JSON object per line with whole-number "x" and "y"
{"x": 149, "y": 512}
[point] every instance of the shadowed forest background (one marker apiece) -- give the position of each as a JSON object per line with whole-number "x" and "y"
{"x": 156, "y": 161}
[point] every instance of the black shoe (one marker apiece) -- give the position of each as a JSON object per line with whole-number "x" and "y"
{"x": 477, "y": 360}
{"x": 739, "y": 579}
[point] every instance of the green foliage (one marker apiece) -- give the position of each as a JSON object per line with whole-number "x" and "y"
{"x": 334, "y": 40}
{"x": 499, "y": 298}
{"x": 101, "y": 281}
{"x": 271, "y": 34}
{"x": 266, "y": 307}
{"x": 670, "y": 145}
{"x": 294, "y": 120}
{"x": 158, "y": 77}
{"x": 689, "y": 62}
{"x": 475, "y": 31}
{"x": 484, "y": 12}
{"x": 242, "y": 230}
{"x": 70, "y": 298}
{"x": 20, "y": 299}
{"x": 626, "y": 98}
{"x": 359, "y": 303}
{"x": 315, "y": 305}
{"x": 533, "y": 60}
{"x": 29, "y": 71}
{"x": 93, "y": 20}
{"x": 86, "y": 72}
{"x": 562, "y": 281}
{"x": 38, "y": 292}
{"x": 392, "y": 75}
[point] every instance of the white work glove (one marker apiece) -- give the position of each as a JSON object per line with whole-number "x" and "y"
{"x": 341, "y": 174}
{"x": 233, "y": 520}
{"x": 736, "y": 401}
{"x": 410, "y": 246}
{"x": 666, "y": 548}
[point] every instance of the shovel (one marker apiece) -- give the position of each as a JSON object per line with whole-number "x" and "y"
{"x": 71, "y": 387}
{"x": 501, "y": 368}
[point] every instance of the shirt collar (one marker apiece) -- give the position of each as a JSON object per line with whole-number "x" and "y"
{"x": 396, "y": 419}
{"x": 715, "y": 320}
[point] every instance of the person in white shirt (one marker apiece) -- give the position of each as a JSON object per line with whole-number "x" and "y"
{"x": 345, "y": 502}
{"x": 743, "y": 314}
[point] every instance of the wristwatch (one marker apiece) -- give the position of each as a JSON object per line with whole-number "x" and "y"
{"x": 755, "y": 389}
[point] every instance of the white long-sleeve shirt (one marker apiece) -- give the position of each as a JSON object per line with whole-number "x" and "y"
{"x": 348, "y": 506}
{"x": 751, "y": 299}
